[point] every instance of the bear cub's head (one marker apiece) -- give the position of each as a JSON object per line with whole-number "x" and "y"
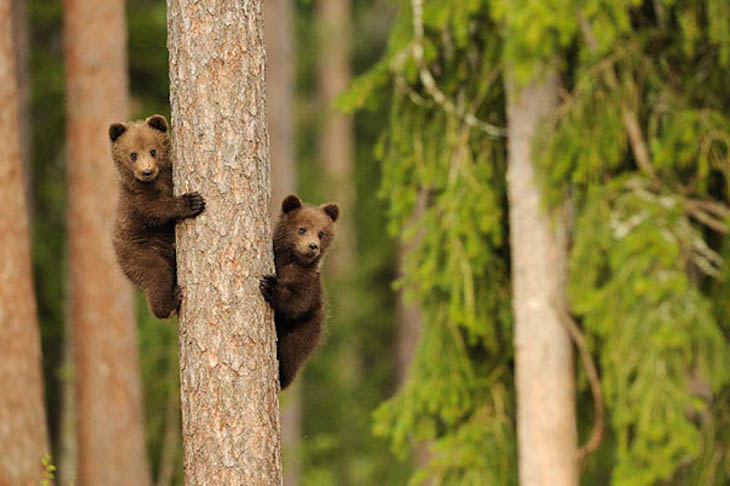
{"x": 140, "y": 148}
{"x": 304, "y": 232}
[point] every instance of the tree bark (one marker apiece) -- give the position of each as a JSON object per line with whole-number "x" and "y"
{"x": 23, "y": 435}
{"x": 110, "y": 427}
{"x": 546, "y": 424}
{"x": 281, "y": 99}
{"x": 228, "y": 368}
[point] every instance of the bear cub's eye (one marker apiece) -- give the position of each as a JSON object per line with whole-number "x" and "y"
{"x": 320, "y": 234}
{"x": 302, "y": 231}
{"x": 133, "y": 156}
{"x": 153, "y": 152}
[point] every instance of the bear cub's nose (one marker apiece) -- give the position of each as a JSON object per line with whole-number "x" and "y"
{"x": 313, "y": 246}
{"x": 147, "y": 173}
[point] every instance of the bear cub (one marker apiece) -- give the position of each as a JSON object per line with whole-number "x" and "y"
{"x": 301, "y": 238}
{"x": 144, "y": 229}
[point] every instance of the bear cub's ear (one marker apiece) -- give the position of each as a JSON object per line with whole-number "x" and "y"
{"x": 290, "y": 203}
{"x": 158, "y": 122}
{"x": 116, "y": 130}
{"x": 332, "y": 210}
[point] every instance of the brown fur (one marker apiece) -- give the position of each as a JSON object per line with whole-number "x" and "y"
{"x": 144, "y": 230}
{"x": 295, "y": 292}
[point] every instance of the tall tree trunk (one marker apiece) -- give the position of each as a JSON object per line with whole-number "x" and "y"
{"x": 546, "y": 424}
{"x": 281, "y": 99}
{"x": 110, "y": 428}
{"x": 228, "y": 369}
{"x": 336, "y": 136}
{"x": 23, "y": 435}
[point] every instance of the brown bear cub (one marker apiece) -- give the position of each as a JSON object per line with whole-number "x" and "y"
{"x": 301, "y": 237}
{"x": 144, "y": 230}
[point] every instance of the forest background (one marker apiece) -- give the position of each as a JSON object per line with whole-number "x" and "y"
{"x": 633, "y": 163}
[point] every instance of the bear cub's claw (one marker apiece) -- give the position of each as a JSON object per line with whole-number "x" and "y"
{"x": 195, "y": 202}
{"x": 177, "y": 297}
{"x": 266, "y": 285}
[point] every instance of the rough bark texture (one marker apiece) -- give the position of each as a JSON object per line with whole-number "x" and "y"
{"x": 111, "y": 447}
{"x": 23, "y": 436}
{"x": 336, "y": 136}
{"x": 280, "y": 96}
{"x": 546, "y": 427}
{"x": 228, "y": 369}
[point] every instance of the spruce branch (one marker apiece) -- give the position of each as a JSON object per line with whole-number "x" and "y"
{"x": 429, "y": 83}
{"x": 708, "y": 212}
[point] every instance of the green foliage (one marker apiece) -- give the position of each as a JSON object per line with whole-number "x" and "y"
{"x": 49, "y": 470}
{"x": 443, "y": 183}
{"x": 640, "y": 264}
{"x": 631, "y": 267}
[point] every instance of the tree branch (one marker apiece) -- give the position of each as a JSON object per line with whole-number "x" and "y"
{"x": 596, "y": 437}
{"x": 429, "y": 83}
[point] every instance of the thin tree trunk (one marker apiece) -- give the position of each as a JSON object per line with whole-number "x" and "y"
{"x": 336, "y": 136}
{"x": 23, "y": 435}
{"x": 228, "y": 369}
{"x": 546, "y": 424}
{"x": 281, "y": 99}
{"x": 110, "y": 427}
{"x": 280, "y": 96}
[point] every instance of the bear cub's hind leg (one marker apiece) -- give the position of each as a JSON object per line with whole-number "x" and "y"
{"x": 162, "y": 292}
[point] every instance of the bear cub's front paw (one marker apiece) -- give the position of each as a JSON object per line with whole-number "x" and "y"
{"x": 195, "y": 203}
{"x": 267, "y": 284}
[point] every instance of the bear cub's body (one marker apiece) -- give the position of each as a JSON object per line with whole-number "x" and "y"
{"x": 301, "y": 237}
{"x": 144, "y": 229}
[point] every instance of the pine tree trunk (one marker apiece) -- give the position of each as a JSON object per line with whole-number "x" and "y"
{"x": 228, "y": 368}
{"x": 110, "y": 426}
{"x": 23, "y": 436}
{"x": 546, "y": 427}
{"x": 280, "y": 96}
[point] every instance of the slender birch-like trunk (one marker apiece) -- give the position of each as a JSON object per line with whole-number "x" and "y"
{"x": 546, "y": 423}
{"x": 228, "y": 368}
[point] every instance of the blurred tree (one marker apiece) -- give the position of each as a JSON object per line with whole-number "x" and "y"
{"x": 335, "y": 136}
{"x": 544, "y": 383}
{"x": 23, "y": 436}
{"x": 109, "y": 416}
{"x": 230, "y": 403}
{"x": 280, "y": 104}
